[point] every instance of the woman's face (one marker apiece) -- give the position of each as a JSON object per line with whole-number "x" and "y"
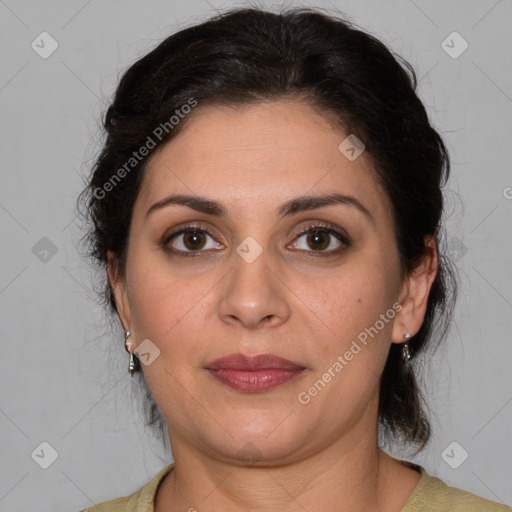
{"x": 252, "y": 280}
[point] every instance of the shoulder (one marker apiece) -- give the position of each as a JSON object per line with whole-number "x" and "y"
{"x": 140, "y": 501}
{"x": 433, "y": 495}
{"x": 117, "y": 505}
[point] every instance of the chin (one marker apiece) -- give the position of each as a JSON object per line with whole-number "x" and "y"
{"x": 258, "y": 442}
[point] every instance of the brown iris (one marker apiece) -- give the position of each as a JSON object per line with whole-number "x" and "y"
{"x": 318, "y": 239}
{"x": 194, "y": 240}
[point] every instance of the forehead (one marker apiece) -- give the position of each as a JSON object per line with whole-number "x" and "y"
{"x": 269, "y": 152}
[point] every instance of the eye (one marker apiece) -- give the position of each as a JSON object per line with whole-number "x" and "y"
{"x": 320, "y": 238}
{"x": 191, "y": 239}
{"x": 317, "y": 238}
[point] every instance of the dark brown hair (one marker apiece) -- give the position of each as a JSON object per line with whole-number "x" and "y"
{"x": 251, "y": 55}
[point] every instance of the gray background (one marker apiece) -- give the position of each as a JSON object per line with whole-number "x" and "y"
{"x": 60, "y": 381}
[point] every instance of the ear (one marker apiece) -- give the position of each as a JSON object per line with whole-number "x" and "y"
{"x": 118, "y": 284}
{"x": 414, "y": 294}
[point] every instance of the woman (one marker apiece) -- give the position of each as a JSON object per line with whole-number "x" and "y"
{"x": 267, "y": 209}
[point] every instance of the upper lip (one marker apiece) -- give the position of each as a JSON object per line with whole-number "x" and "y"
{"x": 260, "y": 362}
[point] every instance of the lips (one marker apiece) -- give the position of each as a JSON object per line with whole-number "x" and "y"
{"x": 253, "y": 374}
{"x": 261, "y": 362}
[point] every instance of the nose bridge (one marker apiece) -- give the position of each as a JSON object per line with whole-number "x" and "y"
{"x": 253, "y": 294}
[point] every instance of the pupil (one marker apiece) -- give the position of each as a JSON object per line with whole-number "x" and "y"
{"x": 318, "y": 239}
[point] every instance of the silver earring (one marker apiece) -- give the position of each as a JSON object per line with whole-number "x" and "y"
{"x": 406, "y": 353}
{"x": 131, "y": 365}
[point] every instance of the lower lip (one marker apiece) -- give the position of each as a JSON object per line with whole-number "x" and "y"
{"x": 254, "y": 381}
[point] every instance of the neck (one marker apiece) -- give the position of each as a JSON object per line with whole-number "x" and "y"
{"x": 350, "y": 475}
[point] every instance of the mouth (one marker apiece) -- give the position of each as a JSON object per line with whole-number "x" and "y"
{"x": 253, "y": 374}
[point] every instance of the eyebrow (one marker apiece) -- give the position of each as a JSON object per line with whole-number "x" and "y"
{"x": 292, "y": 207}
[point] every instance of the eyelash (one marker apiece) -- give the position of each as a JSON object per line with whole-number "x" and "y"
{"x": 328, "y": 228}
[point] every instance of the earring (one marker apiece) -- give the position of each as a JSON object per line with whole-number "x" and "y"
{"x": 127, "y": 345}
{"x": 406, "y": 353}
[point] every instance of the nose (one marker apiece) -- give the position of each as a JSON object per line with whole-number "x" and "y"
{"x": 253, "y": 296}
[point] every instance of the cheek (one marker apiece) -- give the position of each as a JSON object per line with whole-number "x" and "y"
{"x": 350, "y": 357}
{"x": 160, "y": 300}
{"x": 349, "y": 301}
{"x": 174, "y": 311}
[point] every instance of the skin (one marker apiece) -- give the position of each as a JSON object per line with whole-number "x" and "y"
{"x": 290, "y": 301}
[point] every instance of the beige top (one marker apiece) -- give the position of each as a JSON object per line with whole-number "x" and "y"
{"x": 430, "y": 495}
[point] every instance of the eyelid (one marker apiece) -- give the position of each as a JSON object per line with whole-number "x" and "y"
{"x": 188, "y": 227}
{"x": 327, "y": 226}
